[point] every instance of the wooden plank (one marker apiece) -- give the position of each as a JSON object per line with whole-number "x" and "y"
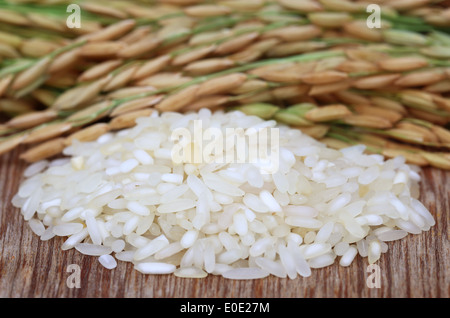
{"x": 416, "y": 266}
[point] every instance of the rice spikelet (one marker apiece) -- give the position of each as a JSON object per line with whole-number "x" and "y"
{"x": 179, "y": 99}
{"x": 44, "y": 150}
{"x": 328, "y": 113}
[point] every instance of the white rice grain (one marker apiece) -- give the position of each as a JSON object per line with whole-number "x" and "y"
{"x": 155, "y": 268}
{"x": 93, "y": 249}
{"x": 108, "y": 261}
{"x": 245, "y": 273}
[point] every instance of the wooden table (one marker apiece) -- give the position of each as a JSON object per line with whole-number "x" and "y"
{"x": 416, "y": 266}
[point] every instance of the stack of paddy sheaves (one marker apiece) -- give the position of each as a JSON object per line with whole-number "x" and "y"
{"x": 122, "y": 197}
{"x": 316, "y": 65}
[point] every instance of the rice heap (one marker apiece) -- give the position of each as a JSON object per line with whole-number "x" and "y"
{"x": 122, "y": 197}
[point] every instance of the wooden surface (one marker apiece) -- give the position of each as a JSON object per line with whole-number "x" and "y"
{"x": 417, "y": 266}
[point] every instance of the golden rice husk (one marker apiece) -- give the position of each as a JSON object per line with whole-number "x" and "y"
{"x": 210, "y": 102}
{"x": 329, "y": 19}
{"x": 334, "y": 143}
{"x": 38, "y": 47}
{"x": 291, "y": 48}
{"x": 329, "y": 88}
{"x": 112, "y": 31}
{"x": 357, "y": 66}
{"x": 375, "y": 81}
{"x": 164, "y": 80}
{"x": 99, "y": 70}
{"x": 207, "y": 10}
{"x": 8, "y": 144}
{"x": 287, "y": 92}
{"x": 316, "y": 131}
{"x": 105, "y": 49}
{"x": 348, "y": 97}
{"x": 80, "y": 94}
{"x": 4, "y": 83}
{"x": 86, "y": 134}
{"x": 136, "y": 104}
{"x": 222, "y": 84}
{"x": 328, "y": 113}
{"x": 294, "y": 33}
{"x": 302, "y": 6}
{"x": 179, "y": 99}
{"x": 136, "y": 34}
{"x": 103, "y": 10}
{"x": 31, "y": 74}
{"x": 130, "y": 91}
{"x": 439, "y": 87}
{"x": 343, "y": 5}
{"x": 120, "y": 79}
{"x": 428, "y": 135}
{"x": 412, "y": 158}
{"x": 8, "y": 51}
{"x": 15, "y": 18}
{"x": 365, "y": 109}
{"x": 128, "y": 120}
{"x": 387, "y": 103}
{"x": 32, "y": 119}
{"x": 152, "y": 66}
{"x": 193, "y": 55}
{"x": 91, "y": 113}
{"x": 47, "y": 132}
{"x": 368, "y": 121}
{"x": 407, "y": 4}
{"x": 44, "y": 150}
{"x": 64, "y": 61}
{"x": 360, "y": 30}
{"x": 208, "y": 66}
{"x": 236, "y": 43}
{"x": 436, "y": 160}
{"x": 421, "y": 78}
{"x": 248, "y": 5}
{"x": 139, "y": 48}
{"x": 250, "y": 86}
{"x": 403, "y": 64}
{"x": 436, "y": 119}
{"x": 323, "y": 77}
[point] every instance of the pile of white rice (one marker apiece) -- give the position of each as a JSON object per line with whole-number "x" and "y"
{"x": 122, "y": 197}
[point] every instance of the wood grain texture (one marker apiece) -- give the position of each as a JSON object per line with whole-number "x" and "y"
{"x": 416, "y": 266}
